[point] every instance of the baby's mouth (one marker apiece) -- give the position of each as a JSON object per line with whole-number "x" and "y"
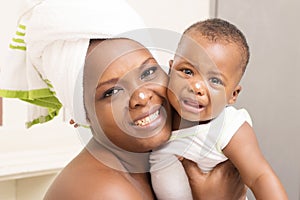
{"x": 147, "y": 120}
{"x": 193, "y": 104}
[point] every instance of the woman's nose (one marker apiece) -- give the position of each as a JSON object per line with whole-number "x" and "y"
{"x": 198, "y": 88}
{"x": 140, "y": 97}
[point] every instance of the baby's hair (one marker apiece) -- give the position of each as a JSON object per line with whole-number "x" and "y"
{"x": 216, "y": 30}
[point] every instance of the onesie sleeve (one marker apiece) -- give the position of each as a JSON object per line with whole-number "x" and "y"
{"x": 233, "y": 120}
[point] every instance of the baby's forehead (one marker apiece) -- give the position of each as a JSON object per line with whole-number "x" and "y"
{"x": 190, "y": 51}
{"x": 205, "y": 65}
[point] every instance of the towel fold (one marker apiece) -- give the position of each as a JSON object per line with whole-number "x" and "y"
{"x": 49, "y": 49}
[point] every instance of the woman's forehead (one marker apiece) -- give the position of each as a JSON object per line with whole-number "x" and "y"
{"x": 109, "y": 46}
{"x": 107, "y": 51}
{"x": 110, "y": 53}
{"x": 129, "y": 65}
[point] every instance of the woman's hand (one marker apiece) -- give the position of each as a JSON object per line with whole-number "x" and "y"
{"x": 223, "y": 182}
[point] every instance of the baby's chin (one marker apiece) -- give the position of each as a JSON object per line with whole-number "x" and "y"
{"x": 195, "y": 118}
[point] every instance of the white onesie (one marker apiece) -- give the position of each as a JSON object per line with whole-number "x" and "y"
{"x": 202, "y": 143}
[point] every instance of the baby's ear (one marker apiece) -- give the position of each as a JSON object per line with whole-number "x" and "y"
{"x": 235, "y": 94}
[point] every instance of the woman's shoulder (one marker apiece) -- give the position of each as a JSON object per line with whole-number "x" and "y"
{"x": 83, "y": 178}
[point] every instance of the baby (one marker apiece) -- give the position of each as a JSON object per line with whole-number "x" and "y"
{"x": 210, "y": 61}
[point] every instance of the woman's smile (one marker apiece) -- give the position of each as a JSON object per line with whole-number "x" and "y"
{"x": 147, "y": 120}
{"x": 150, "y": 121}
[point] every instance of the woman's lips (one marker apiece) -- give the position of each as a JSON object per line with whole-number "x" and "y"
{"x": 148, "y": 124}
{"x": 148, "y": 119}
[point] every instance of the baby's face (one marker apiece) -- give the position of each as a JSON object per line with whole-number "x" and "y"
{"x": 204, "y": 78}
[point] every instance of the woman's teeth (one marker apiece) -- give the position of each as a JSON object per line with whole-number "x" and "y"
{"x": 147, "y": 120}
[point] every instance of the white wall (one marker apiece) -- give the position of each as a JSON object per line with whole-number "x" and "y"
{"x": 19, "y": 147}
{"x": 270, "y": 85}
{"x": 173, "y": 15}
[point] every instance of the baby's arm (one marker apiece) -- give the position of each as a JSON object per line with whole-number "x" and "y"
{"x": 257, "y": 174}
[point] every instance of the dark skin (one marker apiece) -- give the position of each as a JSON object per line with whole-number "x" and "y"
{"x": 86, "y": 177}
{"x": 97, "y": 181}
{"x": 223, "y": 182}
{"x": 209, "y": 185}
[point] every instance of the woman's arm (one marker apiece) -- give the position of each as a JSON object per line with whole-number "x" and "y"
{"x": 244, "y": 152}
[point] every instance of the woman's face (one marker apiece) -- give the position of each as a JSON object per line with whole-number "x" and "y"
{"x": 130, "y": 97}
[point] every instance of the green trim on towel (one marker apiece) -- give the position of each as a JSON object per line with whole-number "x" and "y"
{"x": 47, "y": 102}
{"x": 30, "y": 94}
{"x": 21, "y": 26}
{"x": 46, "y": 81}
{"x": 40, "y": 97}
{"x": 43, "y": 119}
{"x": 18, "y": 40}
{"x": 44, "y": 98}
{"x": 18, "y": 33}
{"x": 23, "y": 48}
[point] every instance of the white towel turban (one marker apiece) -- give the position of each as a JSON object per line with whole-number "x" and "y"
{"x": 47, "y": 55}
{"x": 49, "y": 49}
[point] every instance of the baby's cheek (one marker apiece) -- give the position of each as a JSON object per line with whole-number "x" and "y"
{"x": 218, "y": 103}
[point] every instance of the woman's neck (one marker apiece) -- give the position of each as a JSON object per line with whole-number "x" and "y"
{"x": 108, "y": 161}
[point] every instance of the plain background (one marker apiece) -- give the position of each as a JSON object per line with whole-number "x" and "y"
{"x": 270, "y": 86}
{"x": 271, "y": 92}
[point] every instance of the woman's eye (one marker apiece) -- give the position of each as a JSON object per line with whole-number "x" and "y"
{"x": 148, "y": 72}
{"x": 216, "y": 81}
{"x": 111, "y": 92}
{"x": 188, "y": 72}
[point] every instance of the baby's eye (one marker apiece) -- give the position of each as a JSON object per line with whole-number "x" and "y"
{"x": 216, "y": 81}
{"x": 148, "y": 72}
{"x": 188, "y": 72}
{"x": 112, "y": 91}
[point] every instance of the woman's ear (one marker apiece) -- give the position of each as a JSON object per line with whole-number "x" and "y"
{"x": 235, "y": 94}
{"x": 170, "y": 66}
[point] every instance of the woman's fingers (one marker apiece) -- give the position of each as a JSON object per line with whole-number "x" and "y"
{"x": 235, "y": 184}
{"x": 191, "y": 168}
{"x": 195, "y": 176}
{"x": 223, "y": 182}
